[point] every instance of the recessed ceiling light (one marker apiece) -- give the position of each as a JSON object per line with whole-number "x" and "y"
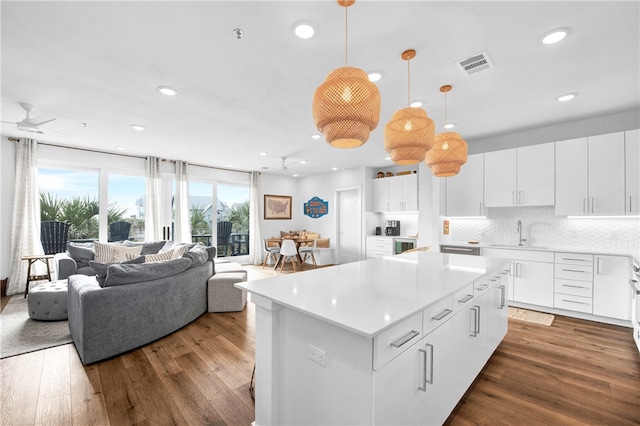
{"x": 375, "y": 76}
{"x": 567, "y": 97}
{"x": 295, "y": 175}
{"x": 229, "y": 165}
{"x": 303, "y": 30}
{"x": 263, "y": 153}
{"x": 416, "y": 104}
{"x": 555, "y": 36}
{"x": 166, "y": 90}
{"x": 121, "y": 148}
{"x": 137, "y": 127}
{"x": 449, "y": 125}
{"x": 316, "y": 136}
{"x": 303, "y": 161}
{"x": 387, "y": 158}
{"x": 334, "y": 168}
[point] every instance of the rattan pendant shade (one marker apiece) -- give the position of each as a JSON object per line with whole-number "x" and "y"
{"x": 410, "y": 133}
{"x": 449, "y": 151}
{"x": 346, "y": 107}
{"x": 447, "y": 155}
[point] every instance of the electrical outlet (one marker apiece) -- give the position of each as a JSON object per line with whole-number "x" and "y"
{"x": 318, "y": 355}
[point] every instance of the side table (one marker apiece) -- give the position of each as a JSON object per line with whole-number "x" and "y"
{"x": 33, "y": 258}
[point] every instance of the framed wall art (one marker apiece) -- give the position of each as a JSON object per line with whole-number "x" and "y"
{"x": 277, "y": 207}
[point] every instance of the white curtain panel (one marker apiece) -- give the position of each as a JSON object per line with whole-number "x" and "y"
{"x": 25, "y": 230}
{"x": 183, "y": 224}
{"x": 152, "y": 222}
{"x": 255, "y": 244}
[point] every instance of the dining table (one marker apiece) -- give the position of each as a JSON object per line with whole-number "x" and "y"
{"x": 297, "y": 240}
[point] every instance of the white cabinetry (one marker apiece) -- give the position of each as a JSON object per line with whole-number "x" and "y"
{"x": 531, "y": 273}
{"x": 520, "y": 176}
{"x": 632, "y": 168}
{"x": 573, "y": 282}
{"x": 379, "y": 247}
{"x": 395, "y": 194}
{"x": 611, "y": 291}
{"x": 590, "y": 177}
{"x": 465, "y": 191}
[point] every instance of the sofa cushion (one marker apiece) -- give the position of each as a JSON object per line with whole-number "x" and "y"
{"x": 153, "y": 247}
{"x": 121, "y": 274}
{"x": 100, "y": 269}
{"x": 113, "y": 252}
{"x": 82, "y": 253}
{"x": 198, "y": 256}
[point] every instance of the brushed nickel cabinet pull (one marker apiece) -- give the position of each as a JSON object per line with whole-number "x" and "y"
{"x": 441, "y": 315}
{"x": 404, "y": 339}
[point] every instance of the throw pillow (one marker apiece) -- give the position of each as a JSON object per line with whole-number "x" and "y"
{"x": 198, "y": 256}
{"x": 104, "y": 252}
{"x": 167, "y": 255}
{"x": 121, "y": 274}
{"x": 147, "y": 248}
{"x": 101, "y": 268}
{"x": 81, "y": 253}
{"x": 180, "y": 249}
{"x": 122, "y": 251}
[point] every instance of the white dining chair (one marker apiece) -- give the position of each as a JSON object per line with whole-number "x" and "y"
{"x": 270, "y": 253}
{"x": 308, "y": 252}
{"x": 288, "y": 250}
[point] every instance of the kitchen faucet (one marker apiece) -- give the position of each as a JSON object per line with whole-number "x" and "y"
{"x": 520, "y": 239}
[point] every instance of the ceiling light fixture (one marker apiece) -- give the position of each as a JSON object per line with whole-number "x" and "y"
{"x": 121, "y": 148}
{"x": 263, "y": 153}
{"x": 555, "y": 36}
{"x": 449, "y": 151}
{"x": 449, "y": 125}
{"x": 137, "y": 127}
{"x": 166, "y": 90}
{"x": 346, "y": 107}
{"x": 316, "y": 136}
{"x": 303, "y": 30}
{"x": 410, "y": 133}
{"x": 567, "y": 97}
{"x": 375, "y": 76}
{"x": 416, "y": 104}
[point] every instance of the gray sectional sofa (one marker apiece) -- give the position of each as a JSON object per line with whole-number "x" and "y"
{"x": 138, "y": 304}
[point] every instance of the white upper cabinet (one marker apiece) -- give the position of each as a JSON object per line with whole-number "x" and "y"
{"x": 520, "y": 176}
{"x": 395, "y": 194}
{"x": 632, "y": 169}
{"x": 590, "y": 176}
{"x": 465, "y": 191}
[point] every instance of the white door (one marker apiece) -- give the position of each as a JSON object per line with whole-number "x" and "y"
{"x": 349, "y": 226}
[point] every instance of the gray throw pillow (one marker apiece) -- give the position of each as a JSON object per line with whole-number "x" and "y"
{"x": 101, "y": 268}
{"x": 198, "y": 256}
{"x": 121, "y": 274}
{"x": 147, "y": 248}
{"x": 80, "y": 252}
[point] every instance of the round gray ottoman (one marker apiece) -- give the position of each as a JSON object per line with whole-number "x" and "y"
{"x": 48, "y": 301}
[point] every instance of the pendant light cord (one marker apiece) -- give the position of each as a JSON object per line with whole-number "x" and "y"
{"x": 445, "y": 108}
{"x": 409, "y": 83}
{"x": 346, "y": 38}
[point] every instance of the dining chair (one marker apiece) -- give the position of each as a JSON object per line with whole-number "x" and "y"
{"x": 308, "y": 252}
{"x": 270, "y": 253}
{"x": 288, "y": 250}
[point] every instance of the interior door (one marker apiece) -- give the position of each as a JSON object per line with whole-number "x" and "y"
{"x": 349, "y": 226}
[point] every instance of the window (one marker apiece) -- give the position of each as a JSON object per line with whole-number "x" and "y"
{"x": 126, "y": 204}
{"x": 71, "y": 196}
{"x": 201, "y": 211}
{"x": 233, "y": 206}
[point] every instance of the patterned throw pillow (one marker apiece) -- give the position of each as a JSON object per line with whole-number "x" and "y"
{"x": 104, "y": 253}
{"x": 167, "y": 255}
{"x": 122, "y": 252}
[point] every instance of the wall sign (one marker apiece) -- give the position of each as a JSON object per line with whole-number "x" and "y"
{"x": 316, "y": 207}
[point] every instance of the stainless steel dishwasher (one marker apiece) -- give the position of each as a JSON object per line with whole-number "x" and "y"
{"x": 471, "y": 251}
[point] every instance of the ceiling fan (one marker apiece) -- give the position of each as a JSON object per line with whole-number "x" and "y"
{"x": 29, "y": 124}
{"x": 284, "y": 166}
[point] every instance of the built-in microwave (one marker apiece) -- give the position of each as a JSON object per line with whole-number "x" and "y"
{"x": 401, "y": 245}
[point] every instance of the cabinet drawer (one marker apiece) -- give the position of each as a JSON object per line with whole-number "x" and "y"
{"x": 436, "y": 315}
{"x": 482, "y": 285}
{"x": 375, "y": 254}
{"x": 392, "y": 342}
{"x": 574, "y": 272}
{"x": 574, "y": 258}
{"x": 576, "y": 288}
{"x": 462, "y": 298}
{"x": 573, "y": 303}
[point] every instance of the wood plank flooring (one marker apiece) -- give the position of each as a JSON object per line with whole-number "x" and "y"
{"x": 571, "y": 373}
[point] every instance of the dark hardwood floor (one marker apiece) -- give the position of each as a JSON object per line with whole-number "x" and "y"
{"x": 573, "y": 372}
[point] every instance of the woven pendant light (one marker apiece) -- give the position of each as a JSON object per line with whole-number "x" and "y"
{"x": 449, "y": 151}
{"x": 410, "y": 133}
{"x": 346, "y": 107}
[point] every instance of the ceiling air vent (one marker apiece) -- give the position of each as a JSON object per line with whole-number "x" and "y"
{"x": 475, "y": 63}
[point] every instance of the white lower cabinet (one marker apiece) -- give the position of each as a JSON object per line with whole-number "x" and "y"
{"x": 379, "y": 246}
{"x": 611, "y": 290}
{"x": 424, "y": 383}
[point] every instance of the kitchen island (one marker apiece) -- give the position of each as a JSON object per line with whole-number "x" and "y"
{"x": 395, "y": 340}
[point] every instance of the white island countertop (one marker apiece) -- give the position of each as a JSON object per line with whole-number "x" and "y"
{"x": 370, "y": 296}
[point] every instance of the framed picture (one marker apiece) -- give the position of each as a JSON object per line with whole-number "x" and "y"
{"x": 277, "y": 207}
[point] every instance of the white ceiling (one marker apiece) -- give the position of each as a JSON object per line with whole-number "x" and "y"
{"x": 100, "y": 63}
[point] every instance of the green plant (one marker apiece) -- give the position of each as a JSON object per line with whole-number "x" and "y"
{"x": 199, "y": 224}
{"x": 239, "y": 216}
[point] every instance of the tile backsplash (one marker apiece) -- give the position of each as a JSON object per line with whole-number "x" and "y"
{"x": 541, "y": 227}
